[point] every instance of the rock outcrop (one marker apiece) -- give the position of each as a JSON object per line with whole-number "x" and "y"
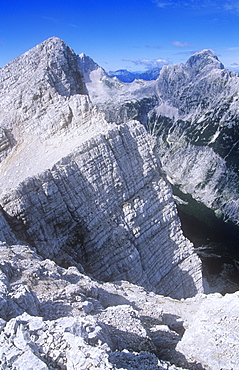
{"x": 56, "y": 318}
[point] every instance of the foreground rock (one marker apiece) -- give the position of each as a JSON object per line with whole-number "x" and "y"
{"x": 56, "y": 318}
{"x": 212, "y": 338}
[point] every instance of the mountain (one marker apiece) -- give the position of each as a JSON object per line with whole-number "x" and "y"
{"x": 90, "y": 237}
{"x": 192, "y": 108}
{"x": 126, "y": 76}
{"x": 197, "y": 124}
{"x": 91, "y": 185}
{"x": 104, "y": 89}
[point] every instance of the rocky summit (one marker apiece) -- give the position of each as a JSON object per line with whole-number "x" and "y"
{"x": 95, "y": 271}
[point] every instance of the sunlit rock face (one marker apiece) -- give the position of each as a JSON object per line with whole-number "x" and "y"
{"x": 197, "y": 128}
{"x": 82, "y": 190}
{"x": 109, "y": 206}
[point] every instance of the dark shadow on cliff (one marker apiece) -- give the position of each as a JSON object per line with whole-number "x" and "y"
{"x": 216, "y": 241}
{"x": 159, "y": 345}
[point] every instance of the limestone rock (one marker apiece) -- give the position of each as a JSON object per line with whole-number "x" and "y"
{"x": 62, "y": 334}
{"x": 212, "y": 337}
{"x": 108, "y": 205}
{"x": 196, "y": 121}
{"x": 92, "y": 194}
{"x": 126, "y": 327}
{"x": 193, "y": 110}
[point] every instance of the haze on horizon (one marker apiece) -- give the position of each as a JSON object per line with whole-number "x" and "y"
{"x": 135, "y": 35}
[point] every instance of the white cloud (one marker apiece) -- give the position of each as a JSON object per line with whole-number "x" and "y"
{"x": 232, "y": 5}
{"x": 234, "y": 48}
{"x": 148, "y": 63}
{"x": 180, "y": 44}
{"x": 153, "y": 46}
{"x": 165, "y": 3}
{"x": 229, "y": 5}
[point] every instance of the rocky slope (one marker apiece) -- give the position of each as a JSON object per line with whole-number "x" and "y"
{"x": 84, "y": 200}
{"x": 56, "y": 318}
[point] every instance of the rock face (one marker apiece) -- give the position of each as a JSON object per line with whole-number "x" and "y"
{"x": 199, "y": 137}
{"x": 109, "y": 205}
{"x": 43, "y": 77}
{"x": 193, "y": 110}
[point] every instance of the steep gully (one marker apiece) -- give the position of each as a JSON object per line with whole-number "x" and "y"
{"x": 216, "y": 241}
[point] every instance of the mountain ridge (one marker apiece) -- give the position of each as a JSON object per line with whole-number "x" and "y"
{"x": 126, "y": 76}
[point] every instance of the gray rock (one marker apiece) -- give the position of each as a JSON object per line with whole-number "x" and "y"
{"x": 82, "y": 322}
{"x": 212, "y": 337}
{"x": 109, "y": 199}
{"x": 28, "y": 361}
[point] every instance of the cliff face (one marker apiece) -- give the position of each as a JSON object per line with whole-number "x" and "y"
{"x": 109, "y": 207}
{"x": 192, "y": 108}
{"x": 87, "y": 192}
{"x": 197, "y": 126}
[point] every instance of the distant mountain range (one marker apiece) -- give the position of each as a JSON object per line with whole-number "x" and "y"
{"x": 126, "y": 76}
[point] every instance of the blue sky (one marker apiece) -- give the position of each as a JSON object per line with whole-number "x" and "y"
{"x": 128, "y": 34}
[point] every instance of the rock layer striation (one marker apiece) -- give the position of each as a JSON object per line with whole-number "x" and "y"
{"x": 108, "y": 205}
{"x": 80, "y": 189}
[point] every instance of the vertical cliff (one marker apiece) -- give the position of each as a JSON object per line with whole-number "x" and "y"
{"x": 108, "y": 206}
